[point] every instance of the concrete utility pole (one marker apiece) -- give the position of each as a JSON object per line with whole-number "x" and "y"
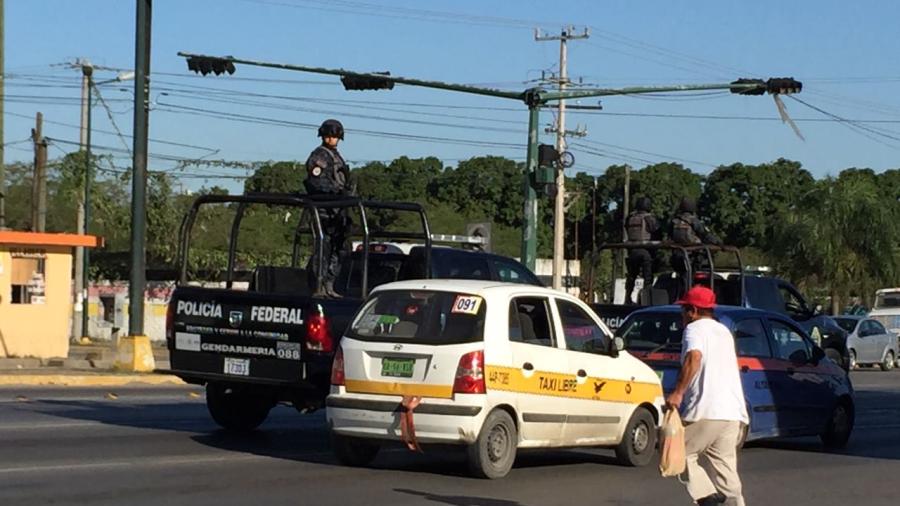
{"x": 78, "y": 296}
{"x": 559, "y": 214}
{"x": 39, "y": 182}
{"x": 2, "y": 149}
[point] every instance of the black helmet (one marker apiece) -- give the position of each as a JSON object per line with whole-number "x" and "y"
{"x": 331, "y": 128}
{"x": 688, "y": 205}
{"x": 643, "y": 204}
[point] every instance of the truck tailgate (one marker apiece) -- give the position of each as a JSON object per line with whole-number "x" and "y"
{"x": 249, "y": 336}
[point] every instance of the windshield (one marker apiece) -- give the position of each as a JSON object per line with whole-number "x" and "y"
{"x": 647, "y": 331}
{"x": 886, "y": 300}
{"x": 848, "y": 324}
{"x": 420, "y": 317}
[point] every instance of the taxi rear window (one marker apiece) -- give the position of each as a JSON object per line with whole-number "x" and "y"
{"x": 651, "y": 331}
{"x": 420, "y": 317}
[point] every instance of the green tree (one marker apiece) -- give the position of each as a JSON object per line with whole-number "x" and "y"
{"x": 277, "y": 177}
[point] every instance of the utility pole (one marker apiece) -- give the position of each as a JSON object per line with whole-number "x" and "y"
{"x": 2, "y": 149}
{"x": 134, "y": 350}
{"x": 39, "y": 182}
{"x": 78, "y": 296}
{"x": 559, "y": 209}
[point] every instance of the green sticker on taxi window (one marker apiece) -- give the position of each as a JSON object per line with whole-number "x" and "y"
{"x": 387, "y": 319}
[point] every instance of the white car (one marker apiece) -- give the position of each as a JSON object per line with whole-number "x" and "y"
{"x": 868, "y": 342}
{"x": 496, "y": 367}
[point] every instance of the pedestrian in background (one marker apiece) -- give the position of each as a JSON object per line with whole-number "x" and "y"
{"x": 710, "y": 398}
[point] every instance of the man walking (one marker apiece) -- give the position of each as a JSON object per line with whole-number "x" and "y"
{"x": 711, "y": 401}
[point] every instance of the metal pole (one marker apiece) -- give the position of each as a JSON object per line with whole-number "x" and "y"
{"x": 88, "y": 176}
{"x": 139, "y": 175}
{"x": 529, "y": 228}
{"x": 78, "y": 282}
{"x": 2, "y": 149}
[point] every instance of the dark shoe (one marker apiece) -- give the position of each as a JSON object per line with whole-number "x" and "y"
{"x": 711, "y": 500}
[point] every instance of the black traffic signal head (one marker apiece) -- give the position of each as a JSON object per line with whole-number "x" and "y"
{"x": 783, "y": 85}
{"x": 547, "y": 155}
{"x": 205, "y": 64}
{"x": 367, "y": 82}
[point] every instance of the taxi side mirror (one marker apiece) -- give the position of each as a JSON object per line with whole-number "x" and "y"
{"x": 818, "y": 355}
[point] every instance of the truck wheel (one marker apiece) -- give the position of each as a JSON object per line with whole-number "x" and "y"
{"x": 840, "y": 425}
{"x": 353, "y": 451}
{"x": 888, "y": 363}
{"x": 639, "y": 441}
{"x": 492, "y": 455}
{"x": 236, "y": 409}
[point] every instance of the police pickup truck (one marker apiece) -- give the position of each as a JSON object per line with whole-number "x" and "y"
{"x": 257, "y": 332}
{"x": 732, "y": 286}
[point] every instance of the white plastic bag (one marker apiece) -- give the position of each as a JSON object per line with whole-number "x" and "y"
{"x": 671, "y": 445}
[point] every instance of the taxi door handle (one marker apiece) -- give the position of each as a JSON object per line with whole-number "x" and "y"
{"x": 527, "y": 366}
{"x": 582, "y": 373}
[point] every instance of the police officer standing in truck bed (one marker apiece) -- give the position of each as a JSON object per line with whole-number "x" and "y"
{"x": 640, "y": 226}
{"x": 328, "y": 175}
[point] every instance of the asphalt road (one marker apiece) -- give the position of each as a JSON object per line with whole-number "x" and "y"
{"x": 158, "y": 446}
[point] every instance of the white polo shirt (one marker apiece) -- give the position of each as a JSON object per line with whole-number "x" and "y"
{"x": 715, "y": 392}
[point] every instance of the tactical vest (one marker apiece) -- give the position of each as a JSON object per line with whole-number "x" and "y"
{"x": 636, "y": 227}
{"x": 682, "y": 230}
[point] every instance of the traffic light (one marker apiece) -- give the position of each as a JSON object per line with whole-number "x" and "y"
{"x": 367, "y": 82}
{"x": 547, "y": 155}
{"x": 205, "y": 64}
{"x": 774, "y": 86}
{"x": 783, "y": 85}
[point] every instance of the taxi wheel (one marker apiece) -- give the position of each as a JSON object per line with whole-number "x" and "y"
{"x": 839, "y": 427}
{"x": 888, "y": 363}
{"x": 492, "y": 455}
{"x": 352, "y": 451}
{"x": 639, "y": 441}
{"x": 236, "y": 409}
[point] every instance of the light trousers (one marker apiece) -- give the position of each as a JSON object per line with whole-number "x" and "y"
{"x": 711, "y": 453}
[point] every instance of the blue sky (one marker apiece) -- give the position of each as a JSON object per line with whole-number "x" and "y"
{"x": 846, "y": 54}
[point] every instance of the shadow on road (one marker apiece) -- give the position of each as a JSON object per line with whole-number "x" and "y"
{"x": 459, "y": 500}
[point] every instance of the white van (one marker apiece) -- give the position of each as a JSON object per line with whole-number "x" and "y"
{"x": 493, "y": 366}
{"x": 887, "y": 309}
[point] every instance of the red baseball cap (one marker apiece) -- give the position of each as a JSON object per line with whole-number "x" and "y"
{"x": 700, "y": 297}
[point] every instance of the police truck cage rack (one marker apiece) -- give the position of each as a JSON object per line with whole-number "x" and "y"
{"x": 706, "y": 276}
{"x": 310, "y": 222}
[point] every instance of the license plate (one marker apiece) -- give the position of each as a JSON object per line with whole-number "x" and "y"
{"x": 397, "y": 367}
{"x": 237, "y": 366}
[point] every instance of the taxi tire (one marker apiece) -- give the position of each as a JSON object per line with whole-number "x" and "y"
{"x": 839, "y": 426}
{"x": 493, "y": 453}
{"x": 236, "y": 409}
{"x": 888, "y": 363}
{"x": 638, "y": 444}
{"x": 353, "y": 451}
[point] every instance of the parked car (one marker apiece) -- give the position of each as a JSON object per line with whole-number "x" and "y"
{"x": 887, "y": 309}
{"x": 868, "y": 342}
{"x": 791, "y": 389}
{"x": 497, "y": 367}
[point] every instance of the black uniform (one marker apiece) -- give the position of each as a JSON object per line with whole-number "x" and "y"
{"x": 328, "y": 174}
{"x": 640, "y": 226}
{"x": 687, "y": 229}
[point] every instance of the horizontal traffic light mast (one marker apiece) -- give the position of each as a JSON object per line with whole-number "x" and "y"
{"x": 534, "y": 98}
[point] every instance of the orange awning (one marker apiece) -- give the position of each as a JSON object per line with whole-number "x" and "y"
{"x": 44, "y": 239}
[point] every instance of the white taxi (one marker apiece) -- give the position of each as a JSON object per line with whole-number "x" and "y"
{"x": 493, "y": 366}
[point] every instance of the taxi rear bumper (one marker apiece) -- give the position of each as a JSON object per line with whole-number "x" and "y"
{"x": 435, "y": 422}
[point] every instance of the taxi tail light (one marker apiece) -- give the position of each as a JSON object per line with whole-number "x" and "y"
{"x": 318, "y": 334}
{"x": 470, "y": 374}
{"x": 337, "y": 368}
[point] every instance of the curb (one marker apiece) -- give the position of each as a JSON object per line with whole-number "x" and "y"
{"x": 88, "y": 380}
